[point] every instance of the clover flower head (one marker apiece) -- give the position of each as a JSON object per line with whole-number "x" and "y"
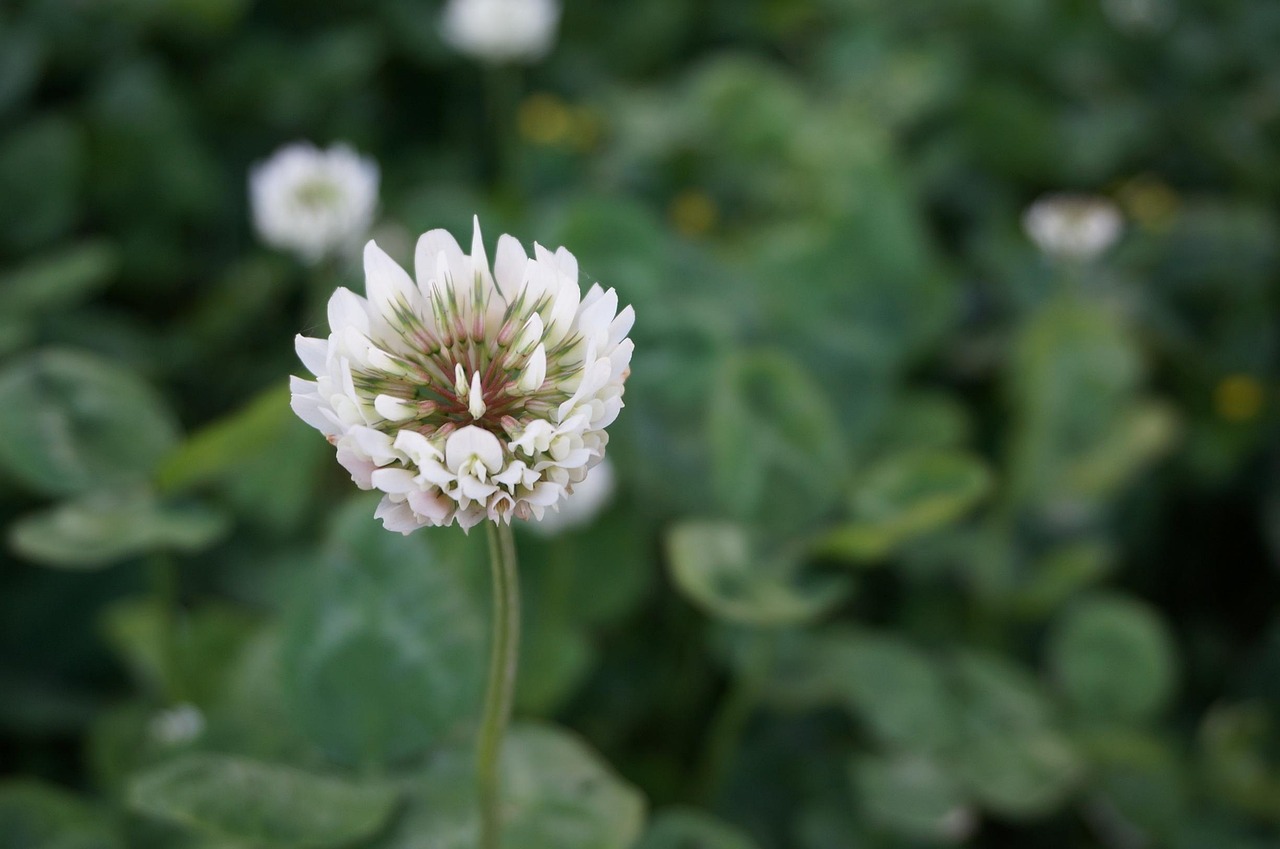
{"x": 1076, "y": 227}
{"x": 501, "y": 31}
{"x": 313, "y": 202}
{"x": 468, "y": 393}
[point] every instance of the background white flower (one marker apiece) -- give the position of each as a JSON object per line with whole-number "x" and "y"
{"x": 501, "y": 30}
{"x": 468, "y": 393}
{"x": 314, "y": 202}
{"x": 1070, "y": 226}
{"x": 589, "y": 497}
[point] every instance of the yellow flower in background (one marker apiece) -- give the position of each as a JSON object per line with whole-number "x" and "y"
{"x": 1150, "y": 203}
{"x": 1238, "y": 398}
{"x": 544, "y": 118}
{"x": 693, "y": 213}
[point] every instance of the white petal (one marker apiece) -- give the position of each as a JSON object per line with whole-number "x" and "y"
{"x": 314, "y": 353}
{"x": 621, "y": 325}
{"x": 347, "y": 309}
{"x": 479, "y": 259}
{"x": 416, "y": 447}
{"x": 434, "y": 247}
{"x": 476, "y": 405}
{"x": 386, "y": 283}
{"x": 394, "y": 480}
{"x": 393, "y": 409}
{"x": 535, "y": 371}
{"x": 472, "y": 441}
{"x": 509, "y": 267}
{"x": 397, "y": 516}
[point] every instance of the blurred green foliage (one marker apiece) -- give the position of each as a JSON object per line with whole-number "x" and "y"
{"x": 922, "y": 537}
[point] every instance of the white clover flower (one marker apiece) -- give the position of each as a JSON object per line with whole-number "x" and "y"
{"x": 314, "y": 202}
{"x": 586, "y": 500}
{"x": 1078, "y": 227}
{"x": 469, "y": 393}
{"x": 501, "y": 30}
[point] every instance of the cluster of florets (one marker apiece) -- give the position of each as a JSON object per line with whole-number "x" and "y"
{"x": 468, "y": 393}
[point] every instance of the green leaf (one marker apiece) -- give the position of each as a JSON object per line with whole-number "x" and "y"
{"x": 60, "y": 280}
{"x": 896, "y": 689}
{"x": 259, "y": 803}
{"x": 37, "y": 816}
{"x": 41, "y": 168}
{"x": 713, "y": 565}
{"x": 255, "y": 454}
{"x": 71, "y": 422}
{"x": 554, "y": 658}
{"x": 556, "y": 794}
{"x": 1009, "y": 756}
{"x": 384, "y": 654}
{"x": 689, "y": 828}
{"x": 208, "y": 642}
{"x": 106, "y": 527}
{"x": 1114, "y": 658}
{"x": 775, "y": 442}
{"x": 913, "y": 797}
{"x": 907, "y": 496}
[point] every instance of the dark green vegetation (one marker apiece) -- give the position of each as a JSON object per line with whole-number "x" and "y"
{"x": 921, "y": 538}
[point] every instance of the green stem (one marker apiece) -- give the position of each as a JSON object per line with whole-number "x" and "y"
{"x": 503, "y": 657}
{"x": 164, "y": 587}
{"x": 731, "y": 717}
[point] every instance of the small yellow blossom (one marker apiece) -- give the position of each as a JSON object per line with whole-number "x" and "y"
{"x": 1238, "y": 398}
{"x": 693, "y": 213}
{"x": 544, "y": 119}
{"x": 1150, "y": 202}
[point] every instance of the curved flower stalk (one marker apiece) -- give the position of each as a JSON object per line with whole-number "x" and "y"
{"x": 467, "y": 393}
{"x": 312, "y": 202}
{"x": 501, "y": 31}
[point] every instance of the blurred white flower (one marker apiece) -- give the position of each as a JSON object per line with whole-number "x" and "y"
{"x": 501, "y": 30}
{"x": 1078, "y": 227}
{"x": 467, "y": 393}
{"x": 583, "y": 503}
{"x": 178, "y": 724}
{"x": 314, "y": 202}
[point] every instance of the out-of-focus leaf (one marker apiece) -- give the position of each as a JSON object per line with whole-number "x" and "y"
{"x": 57, "y": 281}
{"x": 259, "y": 803}
{"x": 262, "y": 455}
{"x": 37, "y": 816}
{"x": 1114, "y": 658}
{"x": 1139, "y": 779}
{"x": 106, "y": 527}
{"x": 687, "y": 828}
{"x": 41, "y": 165}
{"x": 554, "y": 658}
{"x": 1060, "y": 573}
{"x": 913, "y": 797}
{"x": 218, "y": 450}
{"x": 384, "y": 654}
{"x": 776, "y": 450}
{"x": 925, "y": 421}
{"x": 1010, "y": 756}
{"x": 70, "y": 422}
{"x": 896, "y": 689}
{"x": 1234, "y": 739}
{"x": 906, "y": 496}
{"x": 208, "y": 641}
{"x": 713, "y": 565}
{"x": 1073, "y": 381}
{"x": 557, "y": 794}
